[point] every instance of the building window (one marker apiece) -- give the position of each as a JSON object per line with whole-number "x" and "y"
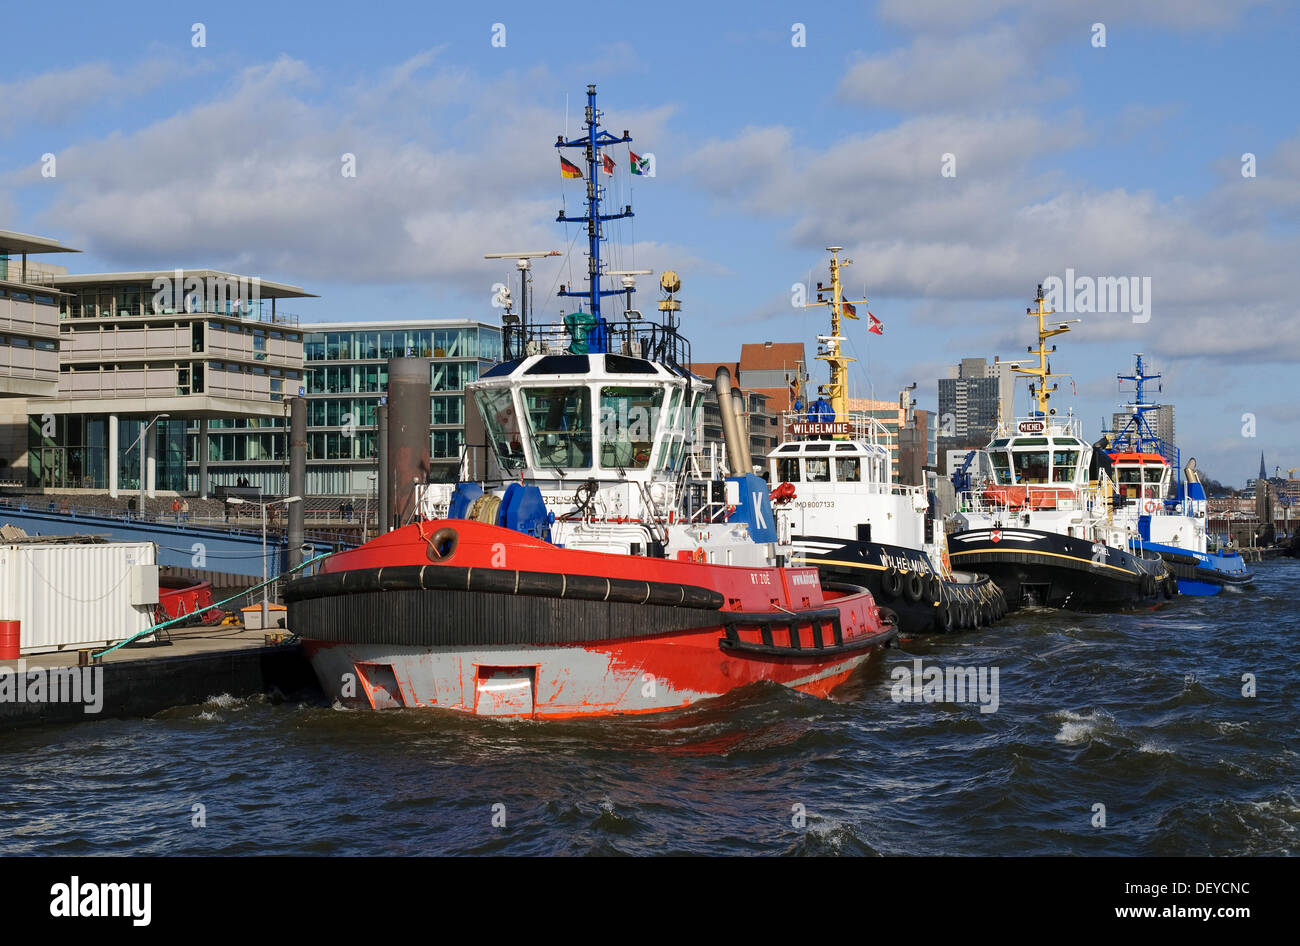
{"x": 453, "y": 375}
{"x": 446, "y": 444}
{"x": 447, "y": 410}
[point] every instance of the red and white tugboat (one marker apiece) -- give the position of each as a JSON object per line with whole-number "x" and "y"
{"x": 587, "y": 571}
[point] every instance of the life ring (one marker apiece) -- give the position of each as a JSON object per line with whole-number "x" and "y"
{"x": 891, "y": 582}
{"x": 1149, "y": 506}
{"x": 914, "y": 587}
{"x": 699, "y": 555}
{"x": 442, "y": 544}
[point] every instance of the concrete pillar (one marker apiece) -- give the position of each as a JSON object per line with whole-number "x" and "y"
{"x": 203, "y": 457}
{"x": 297, "y": 477}
{"x": 112, "y": 455}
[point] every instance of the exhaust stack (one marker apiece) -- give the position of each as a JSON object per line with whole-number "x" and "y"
{"x": 737, "y": 447}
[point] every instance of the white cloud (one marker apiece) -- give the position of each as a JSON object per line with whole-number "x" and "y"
{"x": 63, "y": 94}
{"x": 946, "y": 73}
{"x": 446, "y": 170}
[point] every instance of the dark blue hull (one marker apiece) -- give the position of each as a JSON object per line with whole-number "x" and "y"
{"x": 1203, "y": 573}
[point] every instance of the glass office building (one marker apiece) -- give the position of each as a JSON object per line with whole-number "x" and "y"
{"x": 346, "y": 378}
{"x": 156, "y": 353}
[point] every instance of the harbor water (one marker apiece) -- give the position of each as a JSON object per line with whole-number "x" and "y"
{"x": 1117, "y": 734}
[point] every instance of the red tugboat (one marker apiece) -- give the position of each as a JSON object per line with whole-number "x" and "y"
{"x": 421, "y": 617}
{"x": 591, "y": 570}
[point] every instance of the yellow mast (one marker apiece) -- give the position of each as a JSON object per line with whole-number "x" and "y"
{"x": 1041, "y": 392}
{"x": 837, "y": 390}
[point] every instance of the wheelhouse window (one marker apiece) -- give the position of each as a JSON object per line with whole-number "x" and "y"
{"x": 1129, "y": 476}
{"x": 1064, "y": 463}
{"x": 1030, "y": 466}
{"x": 559, "y": 426}
{"x": 1001, "y": 468}
{"x": 497, "y": 408}
{"x": 629, "y": 417}
{"x": 848, "y": 470}
{"x": 674, "y": 433}
{"x": 787, "y": 469}
{"x": 818, "y": 469}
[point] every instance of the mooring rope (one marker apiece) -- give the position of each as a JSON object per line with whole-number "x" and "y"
{"x": 157, "y": 627}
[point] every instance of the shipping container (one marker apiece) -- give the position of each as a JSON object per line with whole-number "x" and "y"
{"x": 69, "y": 596}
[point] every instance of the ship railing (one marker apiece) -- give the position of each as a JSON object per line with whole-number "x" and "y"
{"x": 710, "y": 512}
{"x": 1068, "y": 425}
{"x": 857, "y": 425}
{"x": 1002, "y": 498}
{"x": 632, "y": 338}
{"x": 708, "y": 463}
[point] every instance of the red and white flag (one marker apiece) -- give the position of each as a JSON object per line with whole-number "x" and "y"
{"x": 608, "y": 164}
{"x": 875, "y": 326}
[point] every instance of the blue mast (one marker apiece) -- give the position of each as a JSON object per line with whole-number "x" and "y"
{"x": 595, "y": 139}
{"x": 1139, "y": 436}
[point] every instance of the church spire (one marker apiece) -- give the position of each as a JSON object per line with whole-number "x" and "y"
{"x": 1263, "y": 473}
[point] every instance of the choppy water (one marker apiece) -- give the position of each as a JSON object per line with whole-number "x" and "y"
{"x": 1143, "y": 714}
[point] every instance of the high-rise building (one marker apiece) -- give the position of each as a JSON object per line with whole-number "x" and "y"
{"x": 975, "y": 397}
{"x": 890, "y": 416}
{"x": 1159, "y": 420}
{"x": 931, "y": 439}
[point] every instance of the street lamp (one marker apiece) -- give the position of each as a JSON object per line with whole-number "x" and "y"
{"x": 236, "y": 501}
{"x": 365, "y": 516}
{"x": 140, "y": 441}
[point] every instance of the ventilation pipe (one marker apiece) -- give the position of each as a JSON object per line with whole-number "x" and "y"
{"x": 737, "y": 448}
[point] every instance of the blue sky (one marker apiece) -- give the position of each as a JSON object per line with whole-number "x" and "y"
{"x": 1115, "y": 161}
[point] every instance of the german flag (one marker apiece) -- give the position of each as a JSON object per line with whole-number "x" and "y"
{"x": 849, "y": 309}
{"x": 569, "y": 169}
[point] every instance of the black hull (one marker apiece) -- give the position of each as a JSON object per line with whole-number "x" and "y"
{"x": 935, "y": 605}
{"x": 1057, "y": 571}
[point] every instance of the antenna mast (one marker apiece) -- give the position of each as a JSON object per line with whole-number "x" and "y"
{"x": 1042, "y": 392}
{"x": 591, "y": 143}
{"x": 837, "y": 390}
